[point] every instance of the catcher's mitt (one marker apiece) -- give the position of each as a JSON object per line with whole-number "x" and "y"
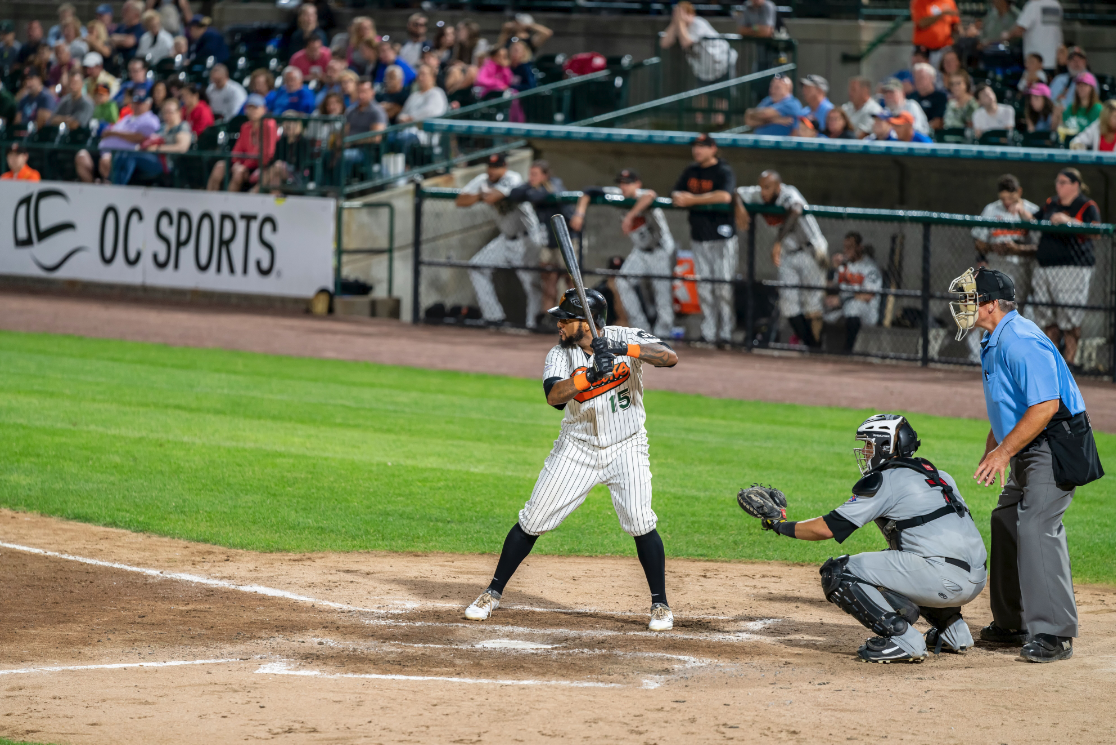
{"x": 763, "y": 502}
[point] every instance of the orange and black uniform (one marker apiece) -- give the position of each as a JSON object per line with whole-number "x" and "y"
{"x": 709, "y": 225}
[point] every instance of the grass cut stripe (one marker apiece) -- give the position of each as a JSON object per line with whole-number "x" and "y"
{"x": 275, "y": 453}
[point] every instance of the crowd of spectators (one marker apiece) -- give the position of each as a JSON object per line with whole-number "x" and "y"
{"x": 110, "y": 77}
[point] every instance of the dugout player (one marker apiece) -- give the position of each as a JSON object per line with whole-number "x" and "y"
{"x": 652, "y": 250}
{"x": 1041, "y": 430}
{"x": 800, "y": 253}
{"x": 936, "y": 561}
{"x": 706, "y": 182}
{"x": 516, "y": 246}
{"x": 599, "y": 383}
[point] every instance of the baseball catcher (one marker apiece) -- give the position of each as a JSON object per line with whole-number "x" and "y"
{"x": 936, "y": 559}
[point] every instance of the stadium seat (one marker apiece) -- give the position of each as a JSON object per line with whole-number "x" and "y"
{"x": 997, "y": 137}
{"x": 950, "y": 136}
{"x": 1041, "y": 139}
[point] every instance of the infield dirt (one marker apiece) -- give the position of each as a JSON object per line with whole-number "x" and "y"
{"x": 756, "y": 653}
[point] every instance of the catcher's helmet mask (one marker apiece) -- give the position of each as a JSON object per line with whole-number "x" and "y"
{"x": 884, "y": 436}
{"x": 570, "y": 307}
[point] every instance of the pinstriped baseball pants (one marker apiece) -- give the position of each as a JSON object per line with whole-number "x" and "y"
{"x": 572, "y": 470}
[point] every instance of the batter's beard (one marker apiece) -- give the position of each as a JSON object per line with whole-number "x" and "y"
{"x": 569, "y": 342}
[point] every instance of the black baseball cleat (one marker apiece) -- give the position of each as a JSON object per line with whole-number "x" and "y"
{"x": 999, "y": 635}
{"x": 884, "y": 650}
{"x": 1047, "y": 648}
{"x": 933, "y": 637}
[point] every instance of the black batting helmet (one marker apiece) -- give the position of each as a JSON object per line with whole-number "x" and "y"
{"x": 570, "y": 307}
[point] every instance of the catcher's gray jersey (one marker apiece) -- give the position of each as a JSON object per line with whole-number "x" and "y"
{"x": 806, "y": 232}
{"x": 513, "y": 220}
{"x": 905, "y": 494}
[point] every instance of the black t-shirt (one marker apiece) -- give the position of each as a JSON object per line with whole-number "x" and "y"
{"x": 933, "y": 105}
{"x": 1063, "y": 249}
{"x": 706, "y": 224}
{"x": 136, "y": 31}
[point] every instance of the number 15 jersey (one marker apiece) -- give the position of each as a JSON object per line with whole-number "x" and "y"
{"x": 612, "y": 410}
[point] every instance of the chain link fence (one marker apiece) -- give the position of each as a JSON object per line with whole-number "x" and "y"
{"x": 881, "y": 292}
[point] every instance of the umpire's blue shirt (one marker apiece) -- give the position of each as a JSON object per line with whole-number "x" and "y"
{"x": 1022, "y": 367}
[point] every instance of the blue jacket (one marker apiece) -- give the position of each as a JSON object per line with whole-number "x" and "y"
{"x": 280, "y": 100}
{"x": 210, "y": 44}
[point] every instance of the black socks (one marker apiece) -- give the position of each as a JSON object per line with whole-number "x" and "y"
{"x": 516, "y": 547}
{"x": 852, "y": 328}
{"x": 803, "y": 330}
{"x": 652, "y": 555}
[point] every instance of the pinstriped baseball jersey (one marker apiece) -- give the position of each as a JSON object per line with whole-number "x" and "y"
{"x": 513, "y": 220}
{"x": 612, "y": 410}
{"x": 651, "y": 229}
{"x": 806, "y": 233}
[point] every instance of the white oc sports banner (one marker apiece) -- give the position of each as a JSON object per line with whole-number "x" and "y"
{"x": 241, "y": 243}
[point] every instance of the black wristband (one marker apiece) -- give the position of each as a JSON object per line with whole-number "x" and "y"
{"x": 786, "y": 527}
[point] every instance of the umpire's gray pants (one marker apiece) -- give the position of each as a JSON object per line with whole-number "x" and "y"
{"x": 716, "y": 260}
{"x": 1031, "y": 583}
{"x": 928, "y": 582}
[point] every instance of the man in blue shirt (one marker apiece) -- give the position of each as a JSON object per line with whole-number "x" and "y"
{"x": 778, "y": 113}
{"x": 206, "y": 42}
{"x": 1026, "y": 385}
{"x": 815, "y": 96}
{"x": 292, "y": 95}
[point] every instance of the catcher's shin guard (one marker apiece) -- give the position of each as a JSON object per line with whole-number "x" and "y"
{"x": 849, "y": 593}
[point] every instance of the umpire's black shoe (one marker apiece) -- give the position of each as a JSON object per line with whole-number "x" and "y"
{"x": 999, "y": 635}
{"x": 1047, "y": 648}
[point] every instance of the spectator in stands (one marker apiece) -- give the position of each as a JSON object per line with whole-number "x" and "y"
{"x": 103, "y": 13}
{"x": 471, "y": 47}
{"x": 757, "y": 19}
{"x": 159, "y": 93}
{"x": 75, "y": 109}
{"x": 778, "y": 113}
{"x": 254, "y": 148}
{"x": 97, "y": 38}
{"x": 181, "y": 48}
{"x": 897, "y": 102}
{"x": 950, "y": 64}
{"x": 991, "y": 115}
{"x": 226, "y": 96}
{"x": 7, "y": 105}
{"x": 329, "y": 134}
{"x": 927, "y": 95}
{"x": 838, "y": 126}
{"x": 1086, "y": 105}
{"x": 815, "y": 96}
{"x": 93, "y": 68}
{"x": 1003, "y": 249}
{"x": 444, "y": 39}
{"x": 34, "y": 102}
{"x": 386, "y": 57}
{"x": 411, "y": 51}
{"x": 330, "y": 81}
{"x": 194, "y": 110}
{"x": 292, "y": 94}
{"x": 903, "y": 129}
{"x": 174, "y": 137}
{"x": 1040, "y": 25}
{"x": 261, "y": 81}
{"x": 458, "y": 89}
{"x": 998, "y": 23}
{"x": 393, "y": 95}
{"x": 495, "y": 74}
{"x": 861, "y": 107}
{"x": 31, "y": 46}
{"x": 527, "y": 29}
{"x": 18, "y": 170}
{"x": 1065, "y": 262}
{"x": 881, "y": 127}
{"x": 125, "y": 135}
{"x": 206, "y": 42}
{"x": 1062, "y": 87}
{"x": 307, "y": 27}
{"x": 293, "y": 157}
{"x": 711, "y": 181}
{"x": 9, "y": 47}
{"x": 126, "y": 38}
{"x": 63, "y": 63}
{"x": 710, "y": 57}
{"x": 40, "y": 60}
{"x": 156, "y": 43}
{"x": 104, "y": 108}
{"x": 72, "y": 33}
{"x": 1101, "y": 134}
{"x": 312, "y": 59}
{"x": 523, "y": 73}
{"x": 1032, "y": 72}
{"x": 935, "y": 23}
{"x": 804, "y": 127}
{"x": 363, "y": 117}
{"x": 962, "y": 103}
{"x": 1039, "y": 113}
{"x": 66, "y": 13}
{"x": 345, "y": 45}
{"x": 427, "y": 101}
{"x": 366, "y": 58}
{"x": 858, "y": 282}
{"x": 137, "y": 79}
{"x": 349, "y": 82}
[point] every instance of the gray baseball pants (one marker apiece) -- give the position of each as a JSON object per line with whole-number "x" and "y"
{"x": 928, "y": 582}
{"x": 716, "y": 260}
{"x": 655, "y": 261}
{"x": 1031, "y": 581}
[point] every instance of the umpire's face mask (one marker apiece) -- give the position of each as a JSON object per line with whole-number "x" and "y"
{"x": 966, "y": 307}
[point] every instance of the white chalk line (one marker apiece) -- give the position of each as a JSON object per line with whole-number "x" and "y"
{"x": 283, "y": 668}
{"x": 741, "y": 636}
{"x": 116, "y": 666}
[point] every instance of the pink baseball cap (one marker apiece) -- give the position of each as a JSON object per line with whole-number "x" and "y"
{"x": 1040, "y": 89}
{"x": 1087, "y": 77}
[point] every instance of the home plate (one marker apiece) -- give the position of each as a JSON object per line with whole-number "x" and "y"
{"x": 512, "y": 644}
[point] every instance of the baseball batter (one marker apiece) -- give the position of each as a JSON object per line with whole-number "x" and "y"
{"x": 599, "y": 383}
{"x": 800, "y": 253}
{"x": 652, "y": 250}
{"x": 518, "y": 242}
{"x": 936, "y": 560}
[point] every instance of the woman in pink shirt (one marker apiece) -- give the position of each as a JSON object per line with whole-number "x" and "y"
{"x": 495, "y": 75}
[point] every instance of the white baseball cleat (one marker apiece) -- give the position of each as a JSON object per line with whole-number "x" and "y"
{"x": 483, "y": 606}
{"x": 661, "y": 618}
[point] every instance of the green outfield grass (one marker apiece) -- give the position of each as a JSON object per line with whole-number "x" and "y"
{"x": 286, "y": 454}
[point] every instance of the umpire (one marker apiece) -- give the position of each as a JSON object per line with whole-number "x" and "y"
{"x": 1039, "y": 429}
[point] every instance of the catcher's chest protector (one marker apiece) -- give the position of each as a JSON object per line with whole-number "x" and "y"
{"x": 893, "y": 529}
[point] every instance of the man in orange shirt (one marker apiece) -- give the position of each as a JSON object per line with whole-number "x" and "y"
{"x": 934, "y": 24}
{"x": 17, "y": 165}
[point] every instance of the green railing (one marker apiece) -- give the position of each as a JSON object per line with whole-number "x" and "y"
{"x": 899, "y": 18}
{"x": 388, "y": 250}
{"x": 718, "y": 58}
